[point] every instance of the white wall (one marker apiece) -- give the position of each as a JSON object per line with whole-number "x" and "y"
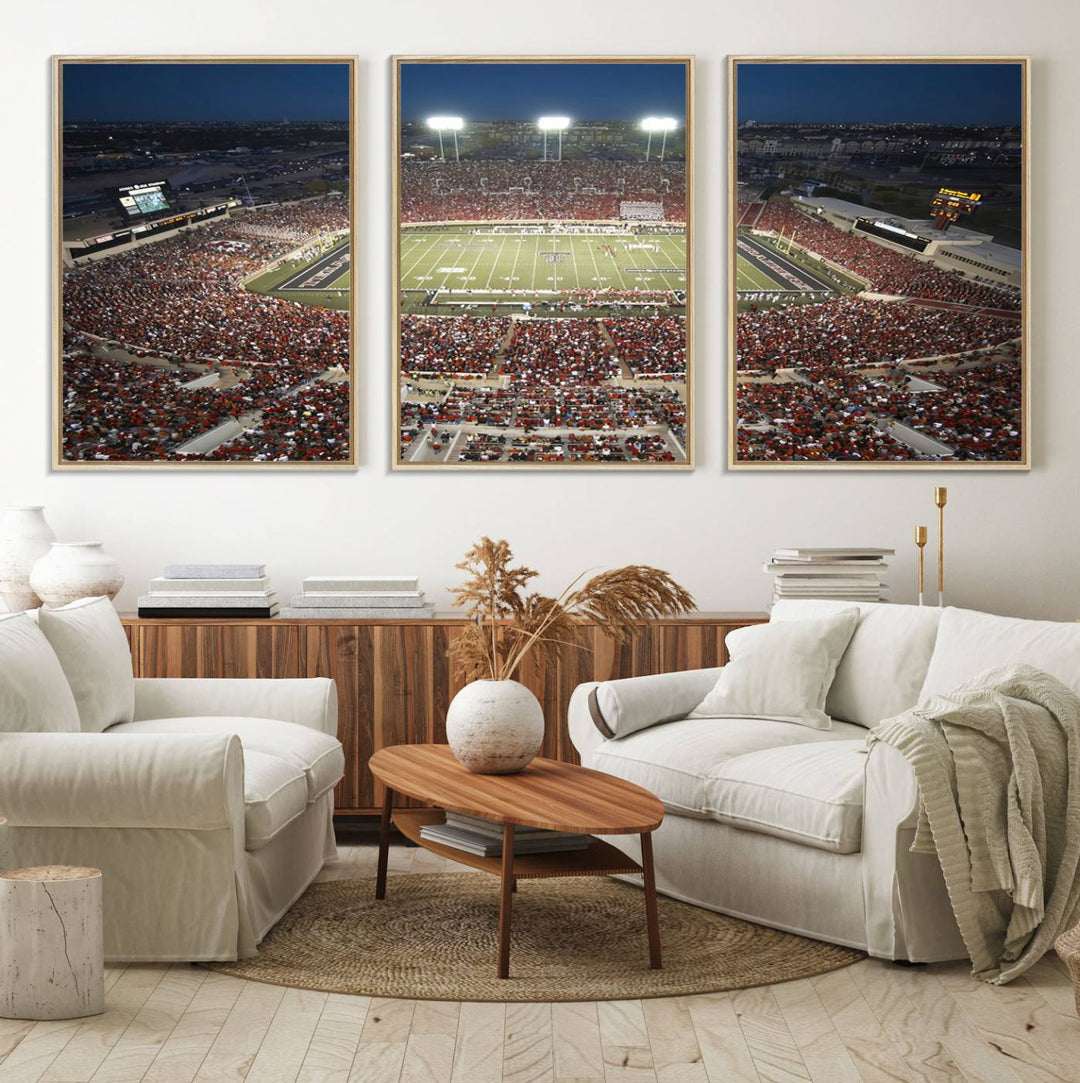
{"x": 1013, "y": 537}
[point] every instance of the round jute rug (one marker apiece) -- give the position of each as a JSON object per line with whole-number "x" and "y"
{"x": 434, "y": 938}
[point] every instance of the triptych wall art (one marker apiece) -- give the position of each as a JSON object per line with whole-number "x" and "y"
{"x": 878, "y": 263}
{"x": 542, "y": 270}
{"x": 204, "y": 229}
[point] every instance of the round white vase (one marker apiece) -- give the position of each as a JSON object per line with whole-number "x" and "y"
{"x": 495, "y": 727}
{"x": 25, "y": 537}
{"x": 74, "y": 570}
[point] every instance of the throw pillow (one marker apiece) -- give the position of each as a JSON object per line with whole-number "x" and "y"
{"x": 90, "y": 642}
{"x": 34, "y": 694}
{"x": 781, "y": 671}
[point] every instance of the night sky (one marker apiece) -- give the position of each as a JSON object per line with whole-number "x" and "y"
{"x": 526, "y": 91}
{"x": 959, "y": 94}
{"x": 202, "y": 92}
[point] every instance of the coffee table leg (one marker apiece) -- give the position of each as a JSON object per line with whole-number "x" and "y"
{"x": 651, "y": 915}
{"x": 384, "y": 843}
{"x": 505, "y": 900}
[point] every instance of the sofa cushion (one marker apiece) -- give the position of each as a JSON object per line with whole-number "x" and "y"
{"x": 886, "y": 661}
{"x": 629, "y": 704}
{"x": 275, "y": 793}
{"x": 34, "y": 693}
{"x": 93, "y": 650}
{"x": 809, "y": 793}
{"x": 970, "y": 642}
{"x": 317, "y": 754}
{"x": 678, "y": 761}
{"x": 781, "y": 671}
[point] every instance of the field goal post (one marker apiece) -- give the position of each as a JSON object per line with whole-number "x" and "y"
{"x": 784, "y": 242}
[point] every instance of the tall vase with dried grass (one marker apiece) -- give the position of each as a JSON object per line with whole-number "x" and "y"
{"x": 495, "y": 725}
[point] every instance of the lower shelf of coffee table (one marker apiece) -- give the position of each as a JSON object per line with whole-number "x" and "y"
{"x": 600, "y": 859}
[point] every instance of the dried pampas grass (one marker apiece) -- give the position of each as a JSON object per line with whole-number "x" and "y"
{"x": 509, "y": 623}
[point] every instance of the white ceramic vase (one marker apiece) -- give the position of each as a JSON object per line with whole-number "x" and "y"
{"x": 25, "y": 537}
{"x": 74, "y": 570}
{"x": 495, "y": 727}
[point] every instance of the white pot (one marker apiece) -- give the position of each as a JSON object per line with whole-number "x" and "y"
{"x": 74, "y": 570}
{"x": 495, "y": 727}
{"x": 24, "y": 538}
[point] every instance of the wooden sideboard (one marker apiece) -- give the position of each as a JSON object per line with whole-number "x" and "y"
{"x": 394, "y": 682}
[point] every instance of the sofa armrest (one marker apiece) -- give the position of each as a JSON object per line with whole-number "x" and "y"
{"x": 310, "y": 701}
{"x": 908, "y": 913}
{"x": 625, "y": 706}
{"x": 584, "y": 735}
{"x": 184, "y": 781}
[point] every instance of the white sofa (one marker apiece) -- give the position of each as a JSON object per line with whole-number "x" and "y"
{"x": 804, "y": 829}
{"x": 207, "y": 804}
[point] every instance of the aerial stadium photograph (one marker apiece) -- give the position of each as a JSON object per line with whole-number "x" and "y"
{"x": 204, "y": 230}
{"x": 542, "y": 264}
{"x": 878, "y": 291}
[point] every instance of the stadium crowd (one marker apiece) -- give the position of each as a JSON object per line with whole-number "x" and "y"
{"x": 450, "y": 345}
{"x": 848, "y": 414}
{"x": 517, "y": 190}
{"x": 653, "y": 347}
{"x": 182, "y": 300}
{"x": 850, "y": 331}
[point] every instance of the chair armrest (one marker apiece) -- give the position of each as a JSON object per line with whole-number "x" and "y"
{"x": 622, "y": 707}
{"x": 310, "y": 701}
{"x": 193, "y": 782}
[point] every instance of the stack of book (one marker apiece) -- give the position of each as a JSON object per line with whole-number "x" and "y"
{"x": 210, "y": 590}
{"x": 850, "y": 575}
{"x": 360, "y": 597}
{"x": 484, "y": 837}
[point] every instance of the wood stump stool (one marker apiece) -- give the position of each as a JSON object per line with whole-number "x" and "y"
{"x": 51, "y": 943}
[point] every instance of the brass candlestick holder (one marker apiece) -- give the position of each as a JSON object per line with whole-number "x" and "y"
{"x": 941, "y": 495}
{"x": 920, "y": 541}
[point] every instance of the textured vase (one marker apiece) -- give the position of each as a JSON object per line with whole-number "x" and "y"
{"x": 495, "y": 727}
{"x": 25, "y": 537}
{"x": 74, "y": 570}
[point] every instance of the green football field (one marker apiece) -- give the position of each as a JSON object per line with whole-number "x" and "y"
{"x": 321, "y": 280}
{"x": 540, "y": 264}
{"x": 750, "y": 277}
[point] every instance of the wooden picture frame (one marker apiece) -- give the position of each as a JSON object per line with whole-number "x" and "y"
{"x": 846, "y": 300}
{"x": 590, "y": 368}
{"x": 204, "y": 219}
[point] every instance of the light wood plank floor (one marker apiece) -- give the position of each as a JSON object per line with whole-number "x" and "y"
{"x": 872, "y": 1021}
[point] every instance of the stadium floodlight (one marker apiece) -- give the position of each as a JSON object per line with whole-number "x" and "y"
{"x": 447, "y": 124}
{"x": 658, "y": 124}
{"x": 553, "y": 124}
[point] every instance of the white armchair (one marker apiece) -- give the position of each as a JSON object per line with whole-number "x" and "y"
{"x": 207, "y": 804}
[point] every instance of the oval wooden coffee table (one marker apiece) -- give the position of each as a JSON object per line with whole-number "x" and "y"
{"x": 547, "y": 794}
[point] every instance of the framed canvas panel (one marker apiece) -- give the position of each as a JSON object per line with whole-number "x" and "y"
{"x": 878, "y": 263}
{"x": 542, "y": 262}
{"x": 204, "y": 224}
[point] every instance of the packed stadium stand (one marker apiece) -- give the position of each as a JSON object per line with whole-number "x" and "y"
{"x": 512, "y": 190}
{"x": 834, "y": 380}
{"x": 885, "y": 270}
{"x": 180, "y": 305}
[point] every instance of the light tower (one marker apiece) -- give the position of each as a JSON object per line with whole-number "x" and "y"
{"x": 447, "y": 124}
{"x": 658, "y": 124}
{"x": 553, "y": 124}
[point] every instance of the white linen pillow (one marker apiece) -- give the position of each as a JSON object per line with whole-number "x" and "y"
{"x": 781, "y": 671}
{"x": 34, "y": 693}
{"x": 93, "y": 650}
{"x": 885, "y": 663}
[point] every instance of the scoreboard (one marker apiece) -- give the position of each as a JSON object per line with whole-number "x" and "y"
{"x": 137, "y": 201}
{"x": 951, "y": 204}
